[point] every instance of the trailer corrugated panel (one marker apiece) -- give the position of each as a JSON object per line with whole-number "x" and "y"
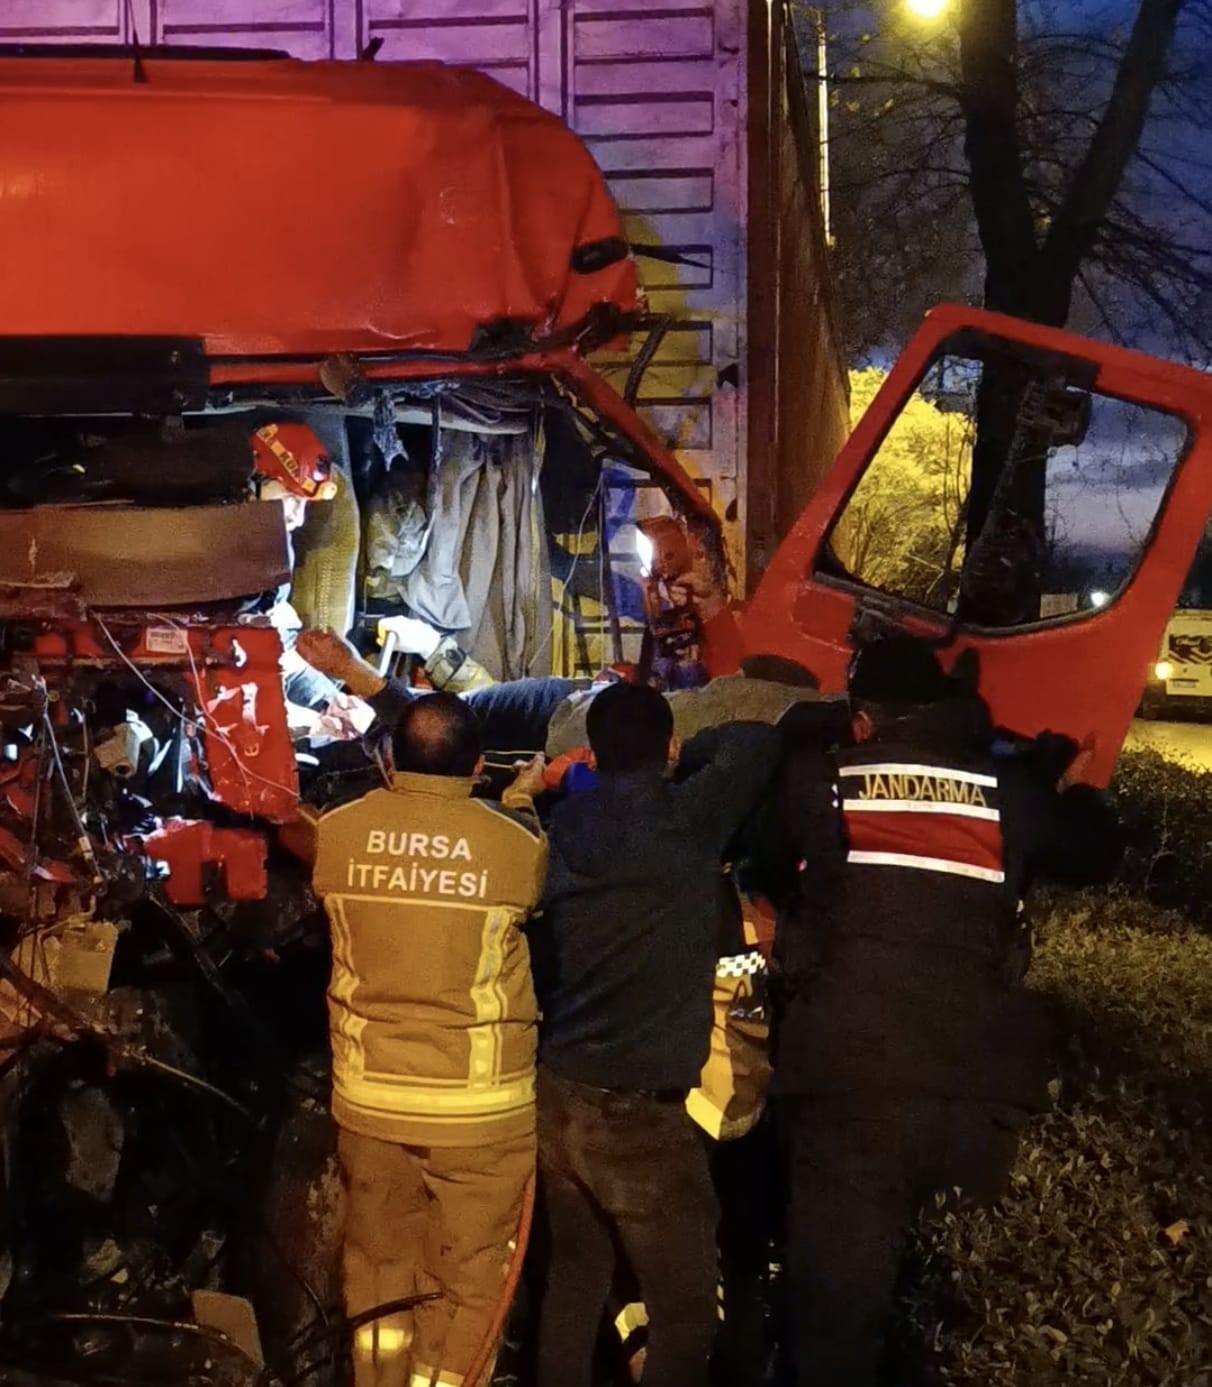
{"x": 798, "y": 387}
{"x": 305, "y": 27}
{"x": 658, "y": 96}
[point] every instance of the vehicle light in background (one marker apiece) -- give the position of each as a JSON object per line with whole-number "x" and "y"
{"x": 1163, "y": 670}
{"x": 1099, "y": 598}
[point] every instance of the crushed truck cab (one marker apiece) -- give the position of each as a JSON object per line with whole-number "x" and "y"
{"x": 411, "y": 259}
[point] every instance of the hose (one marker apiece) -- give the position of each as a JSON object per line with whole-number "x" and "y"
{"x": 484, "y": 1353}
{"x": 484, "y": 1350}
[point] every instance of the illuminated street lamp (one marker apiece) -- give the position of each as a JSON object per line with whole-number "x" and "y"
{"x": 927, "y": 9}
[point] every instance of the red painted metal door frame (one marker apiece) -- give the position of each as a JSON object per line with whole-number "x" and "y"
{"x": 1080, "y": 675}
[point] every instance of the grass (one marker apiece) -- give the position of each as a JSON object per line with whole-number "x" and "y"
{"x": 1097, "y": 1266}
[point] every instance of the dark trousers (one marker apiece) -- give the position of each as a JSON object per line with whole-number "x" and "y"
{"x": 743, "y": 1175}
{"x": 860, "y": 1171}
{"x": 624, "y": 1175}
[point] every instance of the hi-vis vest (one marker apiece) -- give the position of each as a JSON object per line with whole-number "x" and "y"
{"x": 732, "y": 1086}
{"x": 431, "y": 1003}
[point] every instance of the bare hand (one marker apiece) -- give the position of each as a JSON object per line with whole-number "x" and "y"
{"x": 1078, "y": 771}
{"x": 529, "y": 779}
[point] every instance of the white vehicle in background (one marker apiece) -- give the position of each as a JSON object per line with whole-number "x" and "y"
{"x": 1180, "y": 682}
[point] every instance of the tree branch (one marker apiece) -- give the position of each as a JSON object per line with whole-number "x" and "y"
{"x": 1114, "y": 142}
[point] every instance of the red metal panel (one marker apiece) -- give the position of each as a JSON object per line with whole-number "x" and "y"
{"x": 1081, "y": 676}
{"x": 407, "y": 206}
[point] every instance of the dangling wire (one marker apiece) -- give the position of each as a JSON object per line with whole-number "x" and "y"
{"x": 140, "y": 73}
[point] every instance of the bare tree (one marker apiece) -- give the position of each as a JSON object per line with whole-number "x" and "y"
{"x": 1046, "y": 161}
{"x": 1040, "y": 157}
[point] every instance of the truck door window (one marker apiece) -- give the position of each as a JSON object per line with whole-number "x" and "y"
{"x": 1005, "y": 492}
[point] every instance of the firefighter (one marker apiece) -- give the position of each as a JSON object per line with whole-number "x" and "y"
{"x": 433, "y": 1032}
{"x": 292, "y": 468}
{"x": 625, "y": 953}
{"x": 909, "y": 1055}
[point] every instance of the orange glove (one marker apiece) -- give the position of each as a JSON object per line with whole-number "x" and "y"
{"x": 555, "y": 771}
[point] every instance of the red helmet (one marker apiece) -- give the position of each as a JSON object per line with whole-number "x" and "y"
{"x": 292, "y": 456}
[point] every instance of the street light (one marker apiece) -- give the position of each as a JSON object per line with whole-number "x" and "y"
{"x": 926, "y": 9}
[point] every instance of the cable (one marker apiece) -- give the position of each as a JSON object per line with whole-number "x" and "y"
{"x": 205, "y": 716}
{"x": 190, "y": 1080}
{"x": 46, "y": 1002}
{"x": 83, "y": 841}
{"x": 347, "y": 1324}
{"x": 512, "y": 1276}
{"x": 576, "y": 558}
{"x": 201, "y": 1331}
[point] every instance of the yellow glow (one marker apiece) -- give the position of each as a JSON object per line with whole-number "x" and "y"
{"x": 1163, "y": 670}
{"x": 380, "y": 1339}
{"x": 927, "y": 9}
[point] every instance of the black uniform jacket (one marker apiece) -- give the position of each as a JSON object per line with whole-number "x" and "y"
{"x": 904, "y": 865}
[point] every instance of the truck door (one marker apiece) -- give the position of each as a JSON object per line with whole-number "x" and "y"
{"x": 1017, "y": 491}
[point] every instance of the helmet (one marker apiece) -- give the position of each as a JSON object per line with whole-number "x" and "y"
{"x": 292, "y": 456}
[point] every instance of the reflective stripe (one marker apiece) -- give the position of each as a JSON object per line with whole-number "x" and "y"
{"x": 740, "y": 965}
{"x": 630, "y": 1318}
{"x": 919, "y": 806}
{"x": 489, "y": 1001}
{"x": 434, "y": 1377}
{"x": 398, "y": 1097}
{"x": 904, "y": 768}
{"x": 704, "y": 1113}
{"x": 348, "y": 1025}
{"x": 925, "y": 864}
{"x": 381, "y": 1340}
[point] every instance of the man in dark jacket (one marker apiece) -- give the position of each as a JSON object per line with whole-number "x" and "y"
{"x": 909, "y": 1055}
{"x": 624, "y": 958}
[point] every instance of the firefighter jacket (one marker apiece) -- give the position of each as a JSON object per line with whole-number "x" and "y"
{"x": 899, "y": 939}
{"x": 431, "y": 1004}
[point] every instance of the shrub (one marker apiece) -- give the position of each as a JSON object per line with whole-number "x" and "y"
{"x": 1167, "y": 814}
{"x": 1097, "y": 1266}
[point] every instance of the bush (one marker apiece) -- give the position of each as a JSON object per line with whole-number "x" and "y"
{"x": 1167, "y": 814}
{"x": 1097, "y": 1267}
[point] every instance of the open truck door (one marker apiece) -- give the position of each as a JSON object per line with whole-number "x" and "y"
{"x": 1016, "y": 491}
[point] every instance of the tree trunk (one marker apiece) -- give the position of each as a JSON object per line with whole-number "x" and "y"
{"x": 1029, "y": 279}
